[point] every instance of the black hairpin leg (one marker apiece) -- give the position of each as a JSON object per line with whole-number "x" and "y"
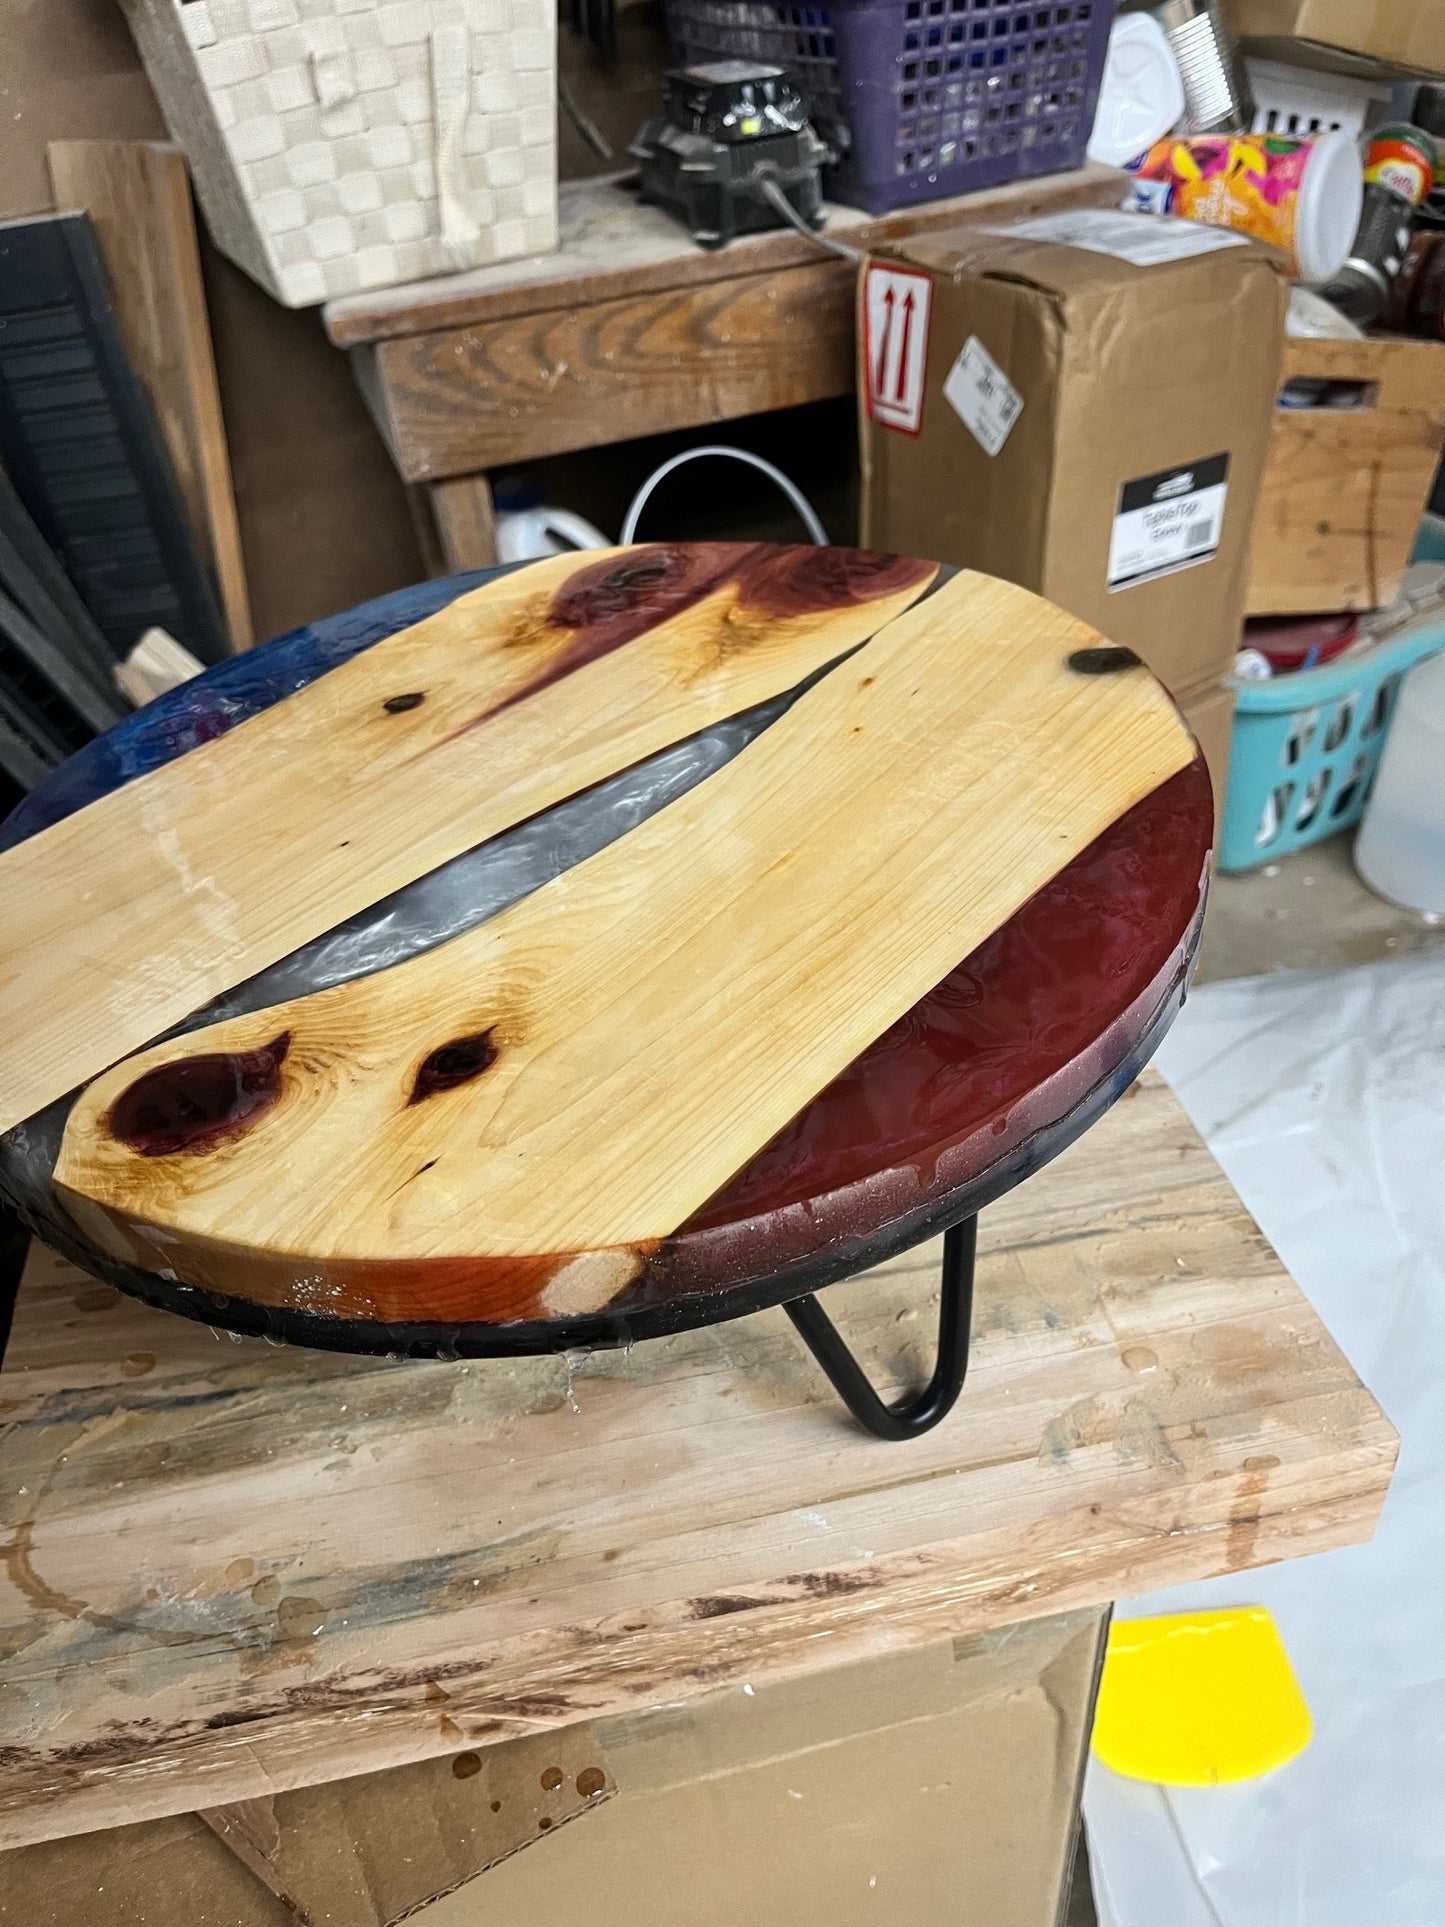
{"x": 14, "y": 1247}
{"x": 910, "y": 1416}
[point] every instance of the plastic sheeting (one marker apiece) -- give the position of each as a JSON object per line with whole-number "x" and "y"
{"x": 1323, "y": 1097}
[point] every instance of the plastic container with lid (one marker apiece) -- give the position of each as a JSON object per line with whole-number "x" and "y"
{"x": 1400, "y": 851}
{"x": 1302, "y": 196}
{"x": 1141, "y": 95}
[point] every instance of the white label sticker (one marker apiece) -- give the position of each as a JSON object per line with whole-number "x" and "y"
{"x": 1168, "y": 521}
{"x": 982, "y": 396}
{"x": 1145, "y": 239}
{"x": 896, "y": 303}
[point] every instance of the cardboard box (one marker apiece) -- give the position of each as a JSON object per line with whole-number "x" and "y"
{"x": 1344, "y": 488}
{"x": 1210, "y": 714}
{"x": 1085, "y": 425}
{"x": 938, "y": 1787}
{"x": 1365, "y": 37}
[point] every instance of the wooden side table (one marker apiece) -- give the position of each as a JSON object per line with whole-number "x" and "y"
{"x": 628, "y": 330}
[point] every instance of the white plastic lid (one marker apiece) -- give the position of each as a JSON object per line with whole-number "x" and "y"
{"x": 1331, "y": 194}
{"x": 1140, "y": 96}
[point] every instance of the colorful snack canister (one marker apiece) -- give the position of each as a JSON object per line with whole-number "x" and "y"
{"x": 1403, "y": 158}
{"x": 1302, "y": 196}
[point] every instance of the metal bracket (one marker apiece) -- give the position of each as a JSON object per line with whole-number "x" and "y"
{"x": 910, "y": 1417}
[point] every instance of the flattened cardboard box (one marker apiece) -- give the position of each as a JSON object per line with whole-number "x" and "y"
{"x": 1079, "y": 423}
{"x": 937, "y": 1786}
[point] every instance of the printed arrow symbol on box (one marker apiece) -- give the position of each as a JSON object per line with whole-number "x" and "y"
{"x": 901, "y": 387}
{"x": 883, "y": 339}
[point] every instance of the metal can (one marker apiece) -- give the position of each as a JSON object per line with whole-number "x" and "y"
{"x": 1217, "y": 99}
{"x": 1361, "y": 289}
{"x": 1403, "y": 158}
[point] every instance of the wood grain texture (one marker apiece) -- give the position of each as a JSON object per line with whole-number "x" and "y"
{"x": 1343, "y": 489}
{"x": 1151, "y": 1401}
{"x": 583, "y": 1072}
{"x": 148, "y": 903}
{"x": 539, "y": 384}
{"x": 138, "y": 196}
{"x": 466, "y": 523}
{"x": 613, "y": 244}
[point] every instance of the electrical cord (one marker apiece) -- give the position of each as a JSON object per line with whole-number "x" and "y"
{"x": 583, "y": 122}
{"x": 772, "y": 192}
{"x": 806, "y": 511}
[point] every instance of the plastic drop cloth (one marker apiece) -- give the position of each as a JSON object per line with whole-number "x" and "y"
{"x": 1323, "y": 1097}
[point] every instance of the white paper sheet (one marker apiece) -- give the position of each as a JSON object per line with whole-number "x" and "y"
{"x": 1323, "y": 1097}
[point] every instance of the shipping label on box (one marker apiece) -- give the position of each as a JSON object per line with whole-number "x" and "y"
{"x": 1169, "y": 521}
{"x": 982, "y": 396}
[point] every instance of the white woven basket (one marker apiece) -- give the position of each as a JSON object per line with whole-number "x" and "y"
{"x": 338, "y": 145}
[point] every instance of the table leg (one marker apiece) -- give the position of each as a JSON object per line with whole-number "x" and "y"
{"x": 910, "y": 1416}
{"x": 14, "y": 1249}
{"x": 466, "y": 525}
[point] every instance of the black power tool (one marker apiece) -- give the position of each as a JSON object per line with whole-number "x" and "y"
{"x": 732, "y": 152}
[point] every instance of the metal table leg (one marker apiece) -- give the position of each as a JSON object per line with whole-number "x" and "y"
{"x": 910, "y": 1416}
{"x": 14, "y": 1248}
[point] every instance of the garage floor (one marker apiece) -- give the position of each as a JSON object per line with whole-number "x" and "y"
{"x": 1307, "y": 912}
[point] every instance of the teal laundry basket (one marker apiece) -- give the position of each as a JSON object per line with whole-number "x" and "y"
{"x": 1307, "y": 745}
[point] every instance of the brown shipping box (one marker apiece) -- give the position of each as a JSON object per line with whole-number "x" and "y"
{"x": 1376, "y": 37}
{"x": 937, "y": 1786}
{"x": 1077, "y": 422}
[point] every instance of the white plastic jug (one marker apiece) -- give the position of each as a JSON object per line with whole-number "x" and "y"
{"x": 524, "y": 534}
{"x": 1400, "y": 851}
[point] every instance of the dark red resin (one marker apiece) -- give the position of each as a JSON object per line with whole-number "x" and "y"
{"x": 196, "y": 1103}
{"x": 1014, "y": 1014}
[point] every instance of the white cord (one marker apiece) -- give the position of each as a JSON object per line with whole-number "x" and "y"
{"x": 794, "y": 494}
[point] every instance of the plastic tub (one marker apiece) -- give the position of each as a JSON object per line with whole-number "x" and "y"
{"x": 1306, "y": 747}
{"x": 923, "y": 98}
{"x": 1400, "y": 851}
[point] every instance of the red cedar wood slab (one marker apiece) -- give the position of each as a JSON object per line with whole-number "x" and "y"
{"x": 551, "y": 1095}
{"x": 125, "y": 917}
{"x": 1152, "y": 1401}
{"x": 612, "y": 244}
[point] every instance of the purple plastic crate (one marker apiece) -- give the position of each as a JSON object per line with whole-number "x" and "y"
{"x": 922, "y": 98}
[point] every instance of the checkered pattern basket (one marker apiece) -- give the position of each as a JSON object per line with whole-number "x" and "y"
{"x": 338, "y": 145}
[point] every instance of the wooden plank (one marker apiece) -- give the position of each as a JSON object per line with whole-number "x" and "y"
{"x": 583, "y": 1072}
{"x": 466, "y": 524}
{"x": 613, "y": 244}
{"x": 132, "y": 913}
{"x": 539, "y": 384}
{"x": 236, "y": 1568}
{"x": 1343, "y": 489}
{"x": 138, "y": 196}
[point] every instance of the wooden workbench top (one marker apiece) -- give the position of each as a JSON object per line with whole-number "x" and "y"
{"x": 234, "y": 1569}
{"x": 613, "y": 244}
